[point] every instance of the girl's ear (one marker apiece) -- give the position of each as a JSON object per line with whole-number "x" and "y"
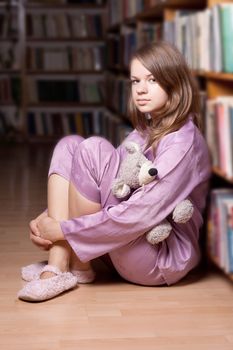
{"x": 132, "y": 147}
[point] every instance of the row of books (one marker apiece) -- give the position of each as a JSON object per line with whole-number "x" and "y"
{"x": 53, "y": 124}
{"x": 120, "y": 10}
{"x": 219, "y": 132}
{"x": 202, "y": 35}
{"x": 66, "y": 90}
{"x": 199, "y": 35}
{"x": 70, "y": 58}
{"x": 114, "y": 50}
{"x": 64, "y": 25}
{"x": 129, "y": 39}
{"x": 9, "y": 120}
{"x": 9, "y": 25}
{"x": 117, "y": 90}
{"x": 115, "y": 130}
{"x": 133, "y": 38}
{"x": 10, "y": 56}
{"x": 148, "y": 32}
{"x": 220, "y": 228}
{"x": 129, "y": 42}
{"x": 66, "y": 2}
{"x": 10, "y": 90}
{"x": 85, "y": 123}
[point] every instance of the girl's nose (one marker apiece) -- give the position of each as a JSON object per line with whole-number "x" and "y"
{"x": 141, "y": 88}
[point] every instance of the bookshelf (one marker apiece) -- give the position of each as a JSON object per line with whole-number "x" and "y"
{"x": 61, "y": 70}
{"x": 181, "y": 22}
{"x": 11, "y": 57}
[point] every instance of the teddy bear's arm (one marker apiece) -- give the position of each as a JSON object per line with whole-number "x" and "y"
{"x": 120, "y": 189}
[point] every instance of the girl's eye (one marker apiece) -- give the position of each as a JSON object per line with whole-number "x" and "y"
{"x": 152, "y": 80}
{"x": 133, "y": 82}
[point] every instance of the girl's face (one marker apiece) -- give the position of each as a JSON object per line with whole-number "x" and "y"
{"x": 147, "y": 95}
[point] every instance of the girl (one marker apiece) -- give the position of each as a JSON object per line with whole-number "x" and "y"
{"x": 85, "y": 221}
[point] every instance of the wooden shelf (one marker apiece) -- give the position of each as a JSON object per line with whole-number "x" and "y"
{"x": 43, "y": 139}
{"x": 9, "y": 71}
{"x": 64, "y": 72}
{"x": 9, "y": 104}
{"x": 65, "y": 104}
{"x": 214, "y": 75}
{"x": 66, "y": 40}
{"x": 220, "y": 173}
{"x": 219, "y": 76}
{"x": 184, "y": 4}
{"x": 119, "y": 69}
{"x": 9, "y": 38}
{"x": 58, "y": 6}
{"x": 152, "y": 12}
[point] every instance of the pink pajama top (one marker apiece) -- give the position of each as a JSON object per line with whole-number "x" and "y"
{"x": 183, "y": 165}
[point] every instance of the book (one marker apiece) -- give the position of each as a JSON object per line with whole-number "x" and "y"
{"x": 226, "y": 11}
{"x": 87, "y": 124}
{"x": 225, "y": 134}
{"x": 228, "y": 253}
{"x": 217, "y": 223}
{"x": 79, "y": 123}
{"x": 31, "y": 125}
{"x": 215, "y": 39}
{"x": 211, "y": 132}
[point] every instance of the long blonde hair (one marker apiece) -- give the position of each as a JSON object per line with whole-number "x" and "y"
{"x": 170, "y": 70}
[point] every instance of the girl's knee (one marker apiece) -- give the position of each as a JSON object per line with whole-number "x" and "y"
{"x": 62, "y": 158}
{"x": 95, "y": 165}
{"x": 96, "y": 152}
{"x": 96, "y": 142}
{"x": 69, "y": 142}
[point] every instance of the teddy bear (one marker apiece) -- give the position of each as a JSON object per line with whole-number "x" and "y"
{"x": 135, "y": 171}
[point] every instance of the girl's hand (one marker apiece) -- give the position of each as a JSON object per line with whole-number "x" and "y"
{"x": 50, "y": 229}
{"x": 35, "y": 234}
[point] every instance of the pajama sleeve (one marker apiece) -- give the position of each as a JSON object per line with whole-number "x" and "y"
{"x": 182, "y": 165}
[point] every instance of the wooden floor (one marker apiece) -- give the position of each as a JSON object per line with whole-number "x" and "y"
{"x": 111, "y": 314}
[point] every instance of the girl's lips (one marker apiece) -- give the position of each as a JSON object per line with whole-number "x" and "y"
{"x": 142, "y": 102}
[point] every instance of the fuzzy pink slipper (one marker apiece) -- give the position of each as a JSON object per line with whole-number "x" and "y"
{"x": 33, "y": 271}
{"x": 44, "y": 289}
{"x": 86, "y": 276}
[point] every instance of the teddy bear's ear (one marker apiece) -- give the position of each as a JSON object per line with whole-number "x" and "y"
{"x": 132, "y": 147}
{"x": 120, "y": 189}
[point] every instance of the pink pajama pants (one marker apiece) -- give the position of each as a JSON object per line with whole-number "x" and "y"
{"x": 91, "y": 165}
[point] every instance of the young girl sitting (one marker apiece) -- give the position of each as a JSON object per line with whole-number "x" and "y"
{"x": 85, "y": 221}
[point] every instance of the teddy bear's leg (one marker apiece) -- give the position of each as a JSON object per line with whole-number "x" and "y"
{"x": 159, "y": 232}
{"x": 183, "y": 211}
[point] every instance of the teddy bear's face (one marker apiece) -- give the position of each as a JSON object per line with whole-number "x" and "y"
{"x": 147, "y": 173}
{"x": 136, "y": 170}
